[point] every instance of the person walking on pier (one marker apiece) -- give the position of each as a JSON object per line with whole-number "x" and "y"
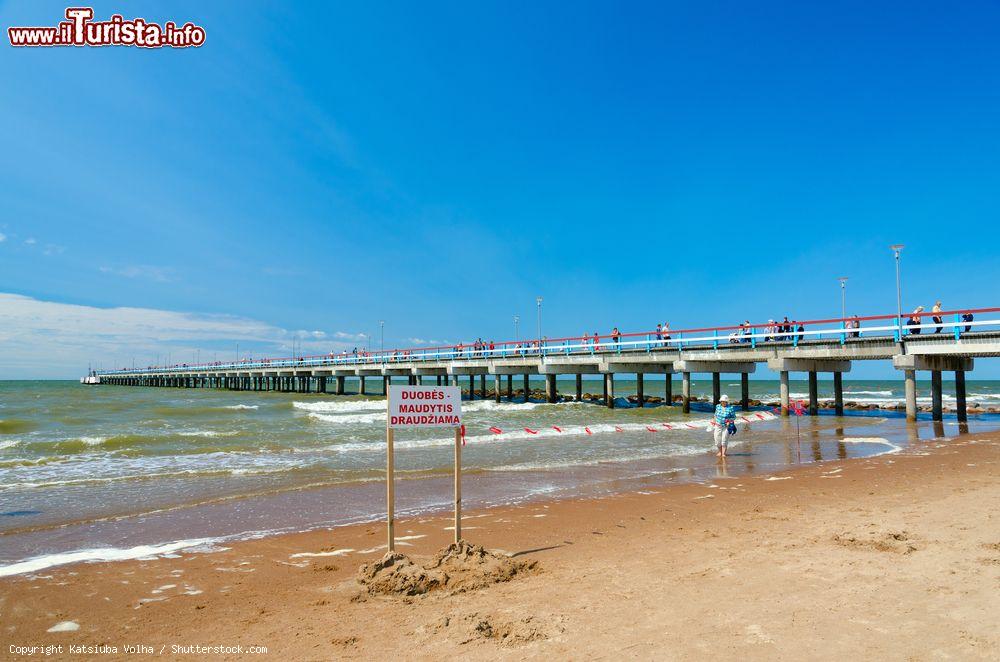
{"x": 725, "y": 415}
{"x": 914, "y": 321}
{"x": 937, "y": 317}
{"x": 615, "y": 335}
{"x": 666, "y": 330}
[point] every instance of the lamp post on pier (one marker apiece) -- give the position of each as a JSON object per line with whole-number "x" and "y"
{"x": 381, "y": 336}
{"x": 897, "y": 249}
{"x": 538, "y": 301}
{"x": 843, "y": 298}
{"x": 517, "y": 319}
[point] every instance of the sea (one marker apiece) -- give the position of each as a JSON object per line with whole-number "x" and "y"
{"x": 98, "y": 473}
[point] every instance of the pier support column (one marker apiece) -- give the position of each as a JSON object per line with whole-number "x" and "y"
{"x": 668, "y": 389}
{"x": 510, "y": 387}
{"x": 813, "y": 394}
{"x": 716, "y": 388}
{"x": 745, "y": 391}
{"x": 472, "y": 387}
{"x": 454, "y": 380}
{"x": 482, "y": 386}
{"x": 496, "y": 388}
{"x": 936, "y": 409}
{"x": 838, "y": 393}
{"x": 527, "y": 391}
{"x": 550, "y": 388}
{"x": 609, "y": 389}
{"x": 339, "y": 388}
{"x": 579, "y": 388}
{"x": 439, "y": 381}
{"x": 321, "y": 385}
{"x": 386, "y": 380}
{"x": 783, "y": 392}
{"x": 361, "y": 381}
{"x": 910, "y": 392}
{"x": 686, "y": 392}
{"x": 960, "y": 411}
{"x": 639, "y": 389}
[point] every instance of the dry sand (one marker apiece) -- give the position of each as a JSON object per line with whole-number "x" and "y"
{"x": 896, "y": 557}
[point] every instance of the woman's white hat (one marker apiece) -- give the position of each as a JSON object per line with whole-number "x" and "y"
{"x": 724, "y": 398}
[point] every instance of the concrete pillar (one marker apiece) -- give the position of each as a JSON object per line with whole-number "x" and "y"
{"x": 639, "y": 391}
{"x": 960, "y": 411}
{"x": 910, "y": 391}
{"x": 550, "y": 388}
{"x": 439, "y": 381}
{"x": 668, "y": 389}
{"x": 783, "y": 392}
{"x": 716, "y": 388}
{"x": 472, "y": 387}
{"x": 838, "y": 393}
{"x": 609, "y": 387}
{"x": 482, "y": 386}
{"x": 496, "y": 388}
{"x": 454, "y": 380}
{"x": 745, "y": 391}
{"x": 510, "y": 387}
{"x": 526, "y": 390}
{"x": 339, "y": 388}
{"x": 386, "y": 380}
{"x": 813, "y": 394}
{"x": 579, "y": 388}
{"x": 686, "y": 392}
{"x": 362, "y": 388}
{"x": 937, "y": 410}
{"x": 321, "y": 386}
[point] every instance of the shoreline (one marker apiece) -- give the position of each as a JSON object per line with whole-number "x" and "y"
{"x": 539, "y": 485}
{"x": 847, "y": 522}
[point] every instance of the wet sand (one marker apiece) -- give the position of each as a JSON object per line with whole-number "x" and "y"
{"x": 893, "y": 557}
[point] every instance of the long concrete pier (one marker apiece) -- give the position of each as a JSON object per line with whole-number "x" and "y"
{"x": 691, "y": 352}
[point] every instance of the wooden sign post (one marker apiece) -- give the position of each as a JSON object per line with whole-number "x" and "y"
{"x": 422, "y": 407}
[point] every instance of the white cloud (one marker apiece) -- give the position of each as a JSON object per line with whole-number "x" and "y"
{"x": 158, "y": 274}
{"x": 57, "y": 340}
{"x": 3, "y": 237}
{"x": 426, "y": 342}
{"x": 355, "y": 337}
{"x": 30, "y": 241}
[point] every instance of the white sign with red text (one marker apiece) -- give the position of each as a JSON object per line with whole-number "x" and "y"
{"x": 425, "y": 406}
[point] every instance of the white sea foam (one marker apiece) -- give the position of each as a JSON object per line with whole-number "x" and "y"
{"x": 342, "y": 419}
{"x": 93, "y": 441}
{"x": 207, "y": 433}
{"x": 241, "y": 407}
{"x": 10, "y": 443}
{"x": 846, "y": 393}
{"x": 348, "y": 406}
{"x": 893, "y": 448}
{"x": 103, "y": 554}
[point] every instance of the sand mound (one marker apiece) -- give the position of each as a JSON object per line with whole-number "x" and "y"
{"x": 496, "y": 628}
{"x": 897, "y": 542}
{"x": 459, "y": 567}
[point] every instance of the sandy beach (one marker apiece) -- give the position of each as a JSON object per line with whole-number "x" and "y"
{"x": 892, "y": 557}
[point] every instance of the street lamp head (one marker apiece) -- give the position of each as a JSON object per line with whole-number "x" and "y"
{"x": 539, "y": 301}
{"x": 897, "y": 247}
{"x": 843, "y": 280}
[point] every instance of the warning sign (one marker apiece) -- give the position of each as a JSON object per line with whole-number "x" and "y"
{"x": 425, "y": 406}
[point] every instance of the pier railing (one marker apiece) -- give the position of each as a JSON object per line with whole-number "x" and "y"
{"x": 955, "y": 324}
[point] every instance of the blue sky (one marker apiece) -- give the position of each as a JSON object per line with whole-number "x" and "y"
{"x": 315, "y": 168}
